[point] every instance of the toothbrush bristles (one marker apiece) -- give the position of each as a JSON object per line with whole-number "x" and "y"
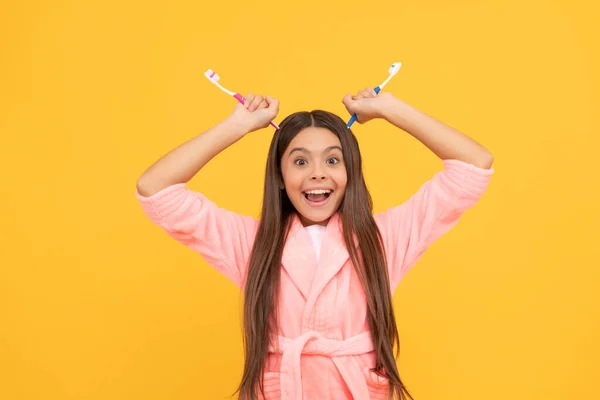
{"x": 214, "y": 78}
{"x": 212, "y": 75}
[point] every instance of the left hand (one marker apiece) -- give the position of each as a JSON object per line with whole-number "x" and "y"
{"x": 367, "y": 105}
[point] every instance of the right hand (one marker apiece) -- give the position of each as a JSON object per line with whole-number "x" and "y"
{"x": 256, "y": 113}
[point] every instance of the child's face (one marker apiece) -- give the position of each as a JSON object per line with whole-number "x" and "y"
{"x": 314, "y": 160}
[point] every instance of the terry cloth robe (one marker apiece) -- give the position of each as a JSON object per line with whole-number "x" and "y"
{"x": 324, "y": 348}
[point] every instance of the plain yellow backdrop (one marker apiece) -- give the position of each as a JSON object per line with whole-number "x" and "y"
{"x": 98, "y": 303}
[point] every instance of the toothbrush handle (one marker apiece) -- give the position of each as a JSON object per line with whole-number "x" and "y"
{"x": 353, "y": 119}
{"x": 242, "y": 100}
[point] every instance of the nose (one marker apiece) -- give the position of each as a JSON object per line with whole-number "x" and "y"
{"x": 317, "y": 174}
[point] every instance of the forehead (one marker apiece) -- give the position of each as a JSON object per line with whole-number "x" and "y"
{"x": 314, "y": 139}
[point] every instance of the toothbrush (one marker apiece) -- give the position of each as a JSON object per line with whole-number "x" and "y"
{"x": 392, "y": 71}
{"x": 214, "y": 78}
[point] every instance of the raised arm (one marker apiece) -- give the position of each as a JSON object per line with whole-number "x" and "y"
{"x": 222, "y": 237}
{"x": 444, "y": 141}
{"x": 182, "y": 163}
{"x": 411, "y": 227}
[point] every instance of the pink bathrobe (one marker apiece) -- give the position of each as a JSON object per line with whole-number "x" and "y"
{"x": 325, "y": 349}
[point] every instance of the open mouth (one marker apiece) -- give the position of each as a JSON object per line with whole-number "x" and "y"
{"x": 316, "y": 197}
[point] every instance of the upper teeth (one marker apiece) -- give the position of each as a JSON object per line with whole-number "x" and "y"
{"x": 318, "y": 191}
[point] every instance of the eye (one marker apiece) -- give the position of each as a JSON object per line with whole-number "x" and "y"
{"x": 333, "y": 160}
{"x": 300, "y": 161}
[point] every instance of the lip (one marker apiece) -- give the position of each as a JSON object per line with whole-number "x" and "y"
{"x": 317, "y": 204}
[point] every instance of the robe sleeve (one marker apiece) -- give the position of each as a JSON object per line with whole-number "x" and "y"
{"x": 223, "y": 238}
{"x": 411, "y": 227}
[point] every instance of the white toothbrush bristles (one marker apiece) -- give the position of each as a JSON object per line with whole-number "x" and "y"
{"x": 214, "y": 78}
{"x": 393, "y": 70}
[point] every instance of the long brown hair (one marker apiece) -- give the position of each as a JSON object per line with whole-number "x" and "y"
{"x": 261, "y": 288}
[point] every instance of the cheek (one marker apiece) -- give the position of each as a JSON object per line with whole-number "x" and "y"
{"x": 293, "y": 182}
{"x": 341, "y": 179}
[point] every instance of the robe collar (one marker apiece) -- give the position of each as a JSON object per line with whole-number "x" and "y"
{"x": 299, "y": 255}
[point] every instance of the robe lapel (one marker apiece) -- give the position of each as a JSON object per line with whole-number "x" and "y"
{"x": 299, "y": 258}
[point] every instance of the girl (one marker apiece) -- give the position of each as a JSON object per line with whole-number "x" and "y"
{"x": 318, "y": 269}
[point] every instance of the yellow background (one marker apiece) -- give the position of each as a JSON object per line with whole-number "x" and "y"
{"x": 98, "y": 303}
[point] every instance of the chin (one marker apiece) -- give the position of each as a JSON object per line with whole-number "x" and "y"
{"x": 312, "y": 217}
{"x": 315, "y": 219}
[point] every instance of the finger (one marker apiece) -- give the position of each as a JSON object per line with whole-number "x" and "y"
{"x": 365, "y": 93}
{"x": 249, "y": 97}
{"x": 273, "y": 105}
{"x": 255, "y": 102}
{"x": 372, "y": 91}
{"x": 347, "y": 100}
{"x": 263, "y": 104}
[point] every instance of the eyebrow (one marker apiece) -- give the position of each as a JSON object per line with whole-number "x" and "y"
{"x": 303, "y": 149}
